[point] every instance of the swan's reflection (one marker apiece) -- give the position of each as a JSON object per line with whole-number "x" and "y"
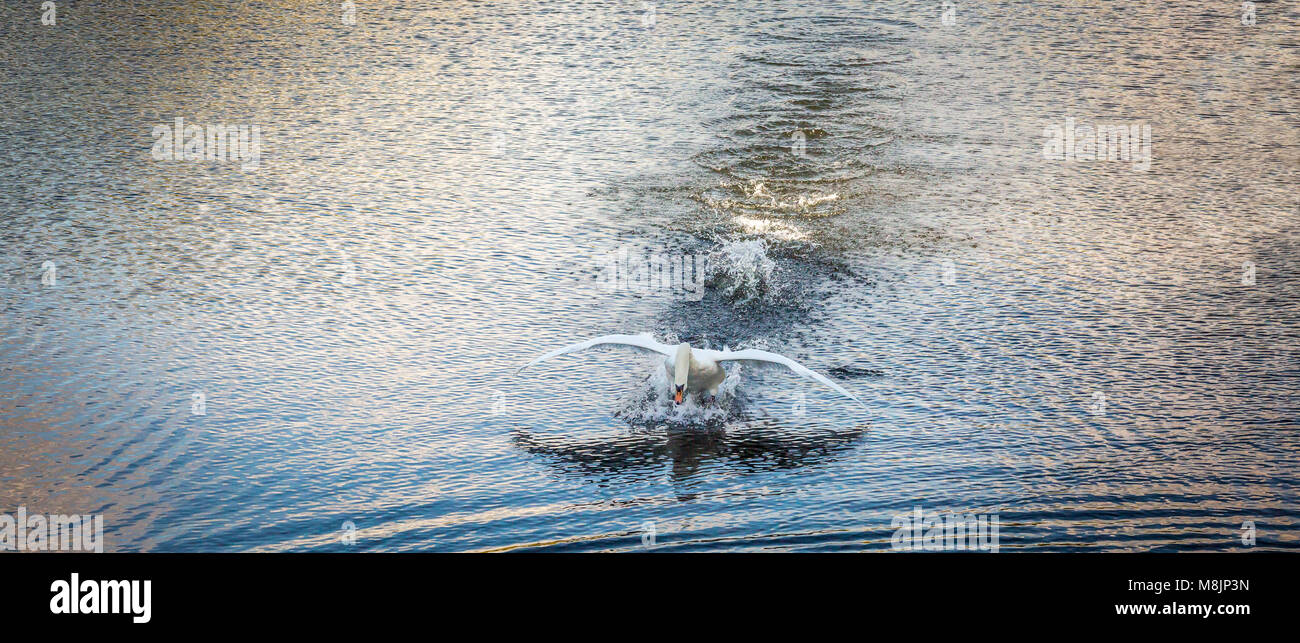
{"x": 763, "y": 446}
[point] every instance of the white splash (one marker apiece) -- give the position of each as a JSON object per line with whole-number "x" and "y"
{"x": 804, "y": 202}
{"x": 753, "y": 197}
{"x": 742, "y": 272}
{"x": 653, "y": 404}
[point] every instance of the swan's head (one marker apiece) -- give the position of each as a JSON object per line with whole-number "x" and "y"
{"x": 681, "y": 368}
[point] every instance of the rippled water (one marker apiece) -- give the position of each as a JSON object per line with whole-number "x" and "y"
{"x": 1070, "y": 345}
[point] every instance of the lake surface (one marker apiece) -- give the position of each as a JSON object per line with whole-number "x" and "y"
{"x": 319, "y": 353}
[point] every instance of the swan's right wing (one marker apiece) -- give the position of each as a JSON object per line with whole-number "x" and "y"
{"x": 644, "y": 341}
{"x": 754, "y": 355}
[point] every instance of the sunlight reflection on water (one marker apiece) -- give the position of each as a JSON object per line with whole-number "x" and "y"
{"x": 435, "y": 185}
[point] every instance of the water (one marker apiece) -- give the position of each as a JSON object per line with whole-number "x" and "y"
{"x": 1069, "y": 345}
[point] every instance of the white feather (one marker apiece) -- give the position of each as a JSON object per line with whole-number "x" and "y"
{"x": 643, "y": 341}
{"x": 754, "y": 355}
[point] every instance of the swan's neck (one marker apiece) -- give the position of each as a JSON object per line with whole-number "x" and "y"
{"x": 682, "y": 365}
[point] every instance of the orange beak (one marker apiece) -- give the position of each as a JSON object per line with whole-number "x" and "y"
{"x": 678, "y": 396}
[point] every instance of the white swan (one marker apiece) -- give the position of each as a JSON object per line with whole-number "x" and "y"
{"x": 694, "y": 368}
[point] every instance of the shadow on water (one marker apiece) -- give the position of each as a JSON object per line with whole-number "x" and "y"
{"x": 766, "y": 446}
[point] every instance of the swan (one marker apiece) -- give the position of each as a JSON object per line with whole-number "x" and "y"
{"x": 698, "y": 369}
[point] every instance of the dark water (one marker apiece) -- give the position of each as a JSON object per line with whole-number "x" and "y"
{"x": 1069, "y": 345}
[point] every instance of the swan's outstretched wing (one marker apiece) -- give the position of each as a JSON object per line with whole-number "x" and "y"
{"x": 644, "y": 341}
{"x": 753, "y": 355}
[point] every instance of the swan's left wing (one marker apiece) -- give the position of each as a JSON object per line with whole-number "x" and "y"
{"x": 644, "y": 341}
{"x": 753, "y": 355}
